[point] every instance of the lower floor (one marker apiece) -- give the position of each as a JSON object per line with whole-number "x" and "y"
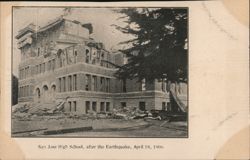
{"x": 87, "y": 102}
{"x": 108, "y": 104}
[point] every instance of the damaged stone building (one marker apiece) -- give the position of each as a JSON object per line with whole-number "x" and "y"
{"x": 60, "y": 63}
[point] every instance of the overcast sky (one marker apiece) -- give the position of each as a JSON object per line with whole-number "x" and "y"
{"x": 101, "y": 19}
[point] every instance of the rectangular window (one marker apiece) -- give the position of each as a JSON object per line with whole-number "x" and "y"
{"x": 49, "y": 65}
{"x": 70, "y": 83}
{"x": 169, "y": 106}
{"x": 23, "y": 73}
{"x": 36, "y": 70}
{"x": 124, "y": 85}
{"x": 94, "y": 106}
{"x": 74, "y": 82}
{"x": 38, "y": 52}
{"x": 94, "y": 83}
{"x": 107, "y": 106}
{"x": 75, "y": 55}
{"x": 123, "y": 104}
{"x": 40, "y": 68}
{"x": 102, "y": 107}
{"x": 74, "y": 105}
{"x": 87, "y": 106}
{"x": 28, "y": 90}
{"x": 102, "y": 84}
{"x": 60, "y": 85}
{"x": 87, "y": 81}
{"x": 107, "y": 85}
{"x": 64, "y": 84}
{"x": 24, "y": 93}
{"x": 142, "y": 106}
{"x": 60, "y": 61}
{"x": 43, "y": 67}
{"x": 163, "y": 106}
{"x": 26, "y": 72}
{"x": 70, "y": 109}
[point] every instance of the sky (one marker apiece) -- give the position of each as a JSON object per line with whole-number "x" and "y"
{"x": 101, "y": 19}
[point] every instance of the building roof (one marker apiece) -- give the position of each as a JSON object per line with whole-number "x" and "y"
{"x": 30, "y": 28}
{"x": 51, "y": 24}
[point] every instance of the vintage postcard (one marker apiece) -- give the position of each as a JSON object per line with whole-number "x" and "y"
{"x": 125, "y": 80}
{"x": 73, "y": 80}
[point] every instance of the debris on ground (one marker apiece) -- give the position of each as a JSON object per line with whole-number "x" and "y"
{"x": 21, "y": 108}
{"x": 56, "y": 111}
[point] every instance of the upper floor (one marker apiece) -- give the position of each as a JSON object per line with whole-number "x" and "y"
{"x": 59, "y": 44}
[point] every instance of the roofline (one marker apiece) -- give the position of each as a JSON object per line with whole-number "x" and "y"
{"x": 24, "y": 30}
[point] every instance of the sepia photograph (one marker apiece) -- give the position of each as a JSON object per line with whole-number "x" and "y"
{"x": 99, "y": 72}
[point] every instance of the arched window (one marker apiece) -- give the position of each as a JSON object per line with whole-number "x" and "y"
{"x": 53, "y": 88}
{"x": 45, "y": 88}
{"x": 45, "y": 93}
{"x": 38, "y": 93}
{"x": 53, "y": 91}
{"x": 87, "y": 56}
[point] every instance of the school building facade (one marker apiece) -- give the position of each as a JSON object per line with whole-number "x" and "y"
{"x": 61, "y": 63}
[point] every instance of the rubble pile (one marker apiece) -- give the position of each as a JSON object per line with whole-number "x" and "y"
{"x": 38, "y": 109}
{"x": 21, "y": 108}
{"x": 128, "y": 113}
{"x": 26, "y": 111}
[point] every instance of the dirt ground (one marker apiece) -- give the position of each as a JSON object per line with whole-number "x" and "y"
{"x": 147, "y": 131}
{"x": 101, "y": 127}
